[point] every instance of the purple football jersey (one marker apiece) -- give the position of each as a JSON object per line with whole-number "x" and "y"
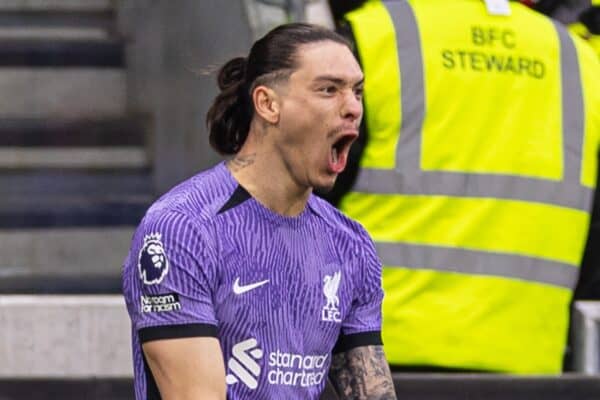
{"x": 280, "y": 293}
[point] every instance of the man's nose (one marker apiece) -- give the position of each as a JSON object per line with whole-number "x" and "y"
{"x": 352, "y": 107}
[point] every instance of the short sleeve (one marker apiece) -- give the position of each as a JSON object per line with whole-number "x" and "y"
{"x": 168, "y": 279}
{"x": 362, "y": 325}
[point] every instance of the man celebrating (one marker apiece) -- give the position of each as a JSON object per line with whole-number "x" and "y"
{"x": 263, "y": 288}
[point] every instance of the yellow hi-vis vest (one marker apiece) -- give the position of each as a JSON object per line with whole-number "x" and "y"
{"x": 477, "y": 179}
{"x": 582, "y": 30}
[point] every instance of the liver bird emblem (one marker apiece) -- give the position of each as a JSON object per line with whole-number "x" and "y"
{"x": 330, "y": 288}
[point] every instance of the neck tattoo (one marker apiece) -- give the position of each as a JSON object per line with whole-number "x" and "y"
{"x": 241, "y": 162}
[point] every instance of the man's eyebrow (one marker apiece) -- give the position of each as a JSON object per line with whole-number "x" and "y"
{"x": 360, "y": 83}
{"x": 337, "y": 80}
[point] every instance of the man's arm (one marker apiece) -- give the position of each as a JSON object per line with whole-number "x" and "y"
{"x": 362, "y": 373}
{"x": 187, "y": 368}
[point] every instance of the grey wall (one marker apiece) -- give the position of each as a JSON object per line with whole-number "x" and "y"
{"x": 169, "y": 43}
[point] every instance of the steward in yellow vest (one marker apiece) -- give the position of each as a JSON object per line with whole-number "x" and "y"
{"x": 588, "y": 26}
{"x": 477, "y": 178}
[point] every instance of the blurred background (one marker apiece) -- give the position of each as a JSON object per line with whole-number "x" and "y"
{"x": 102, "y": 109}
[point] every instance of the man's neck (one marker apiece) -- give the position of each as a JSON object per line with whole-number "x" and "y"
{"x": 264, "y": 176}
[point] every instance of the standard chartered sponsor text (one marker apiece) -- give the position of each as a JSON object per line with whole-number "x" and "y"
{"x": 296, "y": 369}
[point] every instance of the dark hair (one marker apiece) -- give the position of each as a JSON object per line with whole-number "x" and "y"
{"x": 271, "y": 59}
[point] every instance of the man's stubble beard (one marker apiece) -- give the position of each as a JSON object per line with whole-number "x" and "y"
{"x": 324, "y": 189}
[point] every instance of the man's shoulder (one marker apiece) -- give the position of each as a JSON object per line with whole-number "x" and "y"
{"x": 183, "y": 215}
{"x": 337, "y": 221}
{"x": 199, "y": 197}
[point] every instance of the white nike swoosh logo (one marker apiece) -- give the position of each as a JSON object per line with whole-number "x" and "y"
{"x": 237, "y": 289}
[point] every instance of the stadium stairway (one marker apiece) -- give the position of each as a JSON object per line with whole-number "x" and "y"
{"x": 75, "y": 175}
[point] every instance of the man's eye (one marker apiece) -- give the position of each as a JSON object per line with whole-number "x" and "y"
{"x": 358, "y": 92}
{"x": 329, "y": 89}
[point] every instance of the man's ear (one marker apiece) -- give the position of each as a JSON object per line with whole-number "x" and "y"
{"x": 266, "y": 103}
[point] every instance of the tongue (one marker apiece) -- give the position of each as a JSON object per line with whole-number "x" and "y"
{"x": 337, "y": 161}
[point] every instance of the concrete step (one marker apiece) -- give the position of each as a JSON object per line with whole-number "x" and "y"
{"x": 64, "y": 336}
{"x": 99, "y": 184}
{"x": 34, "y": 283}
{"x": 45, "y": 211}
{"x": 46, "y": 198}
{"x": 110, "y": 143}
{"x": 104, "y": 19}
{"x": 64, "y": 251}
{"x": 50, "y": 20}
{"x": 64, "y": 33}
{"x": 67, "y": 389}
{"x": 83, "y": 157}
{"x": 30, "y": 132}
{"x": 71, "y": 53}
{"x": 73, "y": 172}
{"x": 63, "y": 5}
{"x": 62, "y": 93}
{"x": 58, "y": 25}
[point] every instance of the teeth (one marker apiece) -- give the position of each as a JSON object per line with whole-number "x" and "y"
{"x": 334, "y": 155}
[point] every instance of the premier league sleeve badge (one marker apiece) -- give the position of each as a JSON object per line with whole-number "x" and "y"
{"x": 152, "y": 261}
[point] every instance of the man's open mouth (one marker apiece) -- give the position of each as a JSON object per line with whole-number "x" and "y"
{"x": 339, "y": 152}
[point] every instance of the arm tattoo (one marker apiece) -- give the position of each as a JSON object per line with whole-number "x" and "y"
{"x": 240, "y": 162}
{"x": 362, "y": 373}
